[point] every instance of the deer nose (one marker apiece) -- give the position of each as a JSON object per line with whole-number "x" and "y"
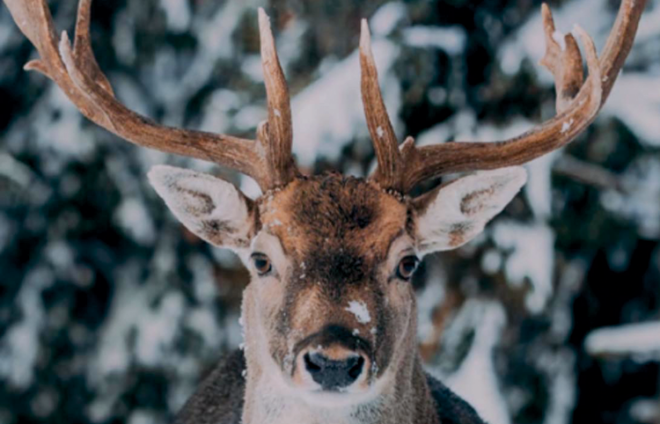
{"x": 334, "y": 374}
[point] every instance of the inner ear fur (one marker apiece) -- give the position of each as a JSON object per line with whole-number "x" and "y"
{"x": 454, "y": 213}
{"x": 211, "y": 208}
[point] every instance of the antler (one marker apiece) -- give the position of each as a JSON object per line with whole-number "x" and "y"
{"x": 75, "y": 70}
{"x": 578, "y": 103}
{"x": 390, "y": 165}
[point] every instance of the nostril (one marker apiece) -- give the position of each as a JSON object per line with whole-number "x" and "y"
{"x": 313, "y": 363}
{"x": 356, "y": 370}
{"x": 333, "y": 374}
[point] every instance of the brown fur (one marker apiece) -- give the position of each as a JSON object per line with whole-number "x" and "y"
{"x": 336, "y": 234}
{"x": 341, "y": 229}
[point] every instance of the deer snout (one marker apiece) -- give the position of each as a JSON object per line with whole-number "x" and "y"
{"x": 334, "y": 369}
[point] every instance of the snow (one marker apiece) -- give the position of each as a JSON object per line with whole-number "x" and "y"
{"x": 149, "y": 336}
{"x": 322, "y": 135}
{"x": 530, "y": 258}
{"x": 123, "y": 39}
{"x": 649, "y": 26}
{"x": 427, "y": 300}
{"x": 19, "y": 347}
{"x": 177, "y": 13}
{"x": 386, "y": 18}
{"x": 174, "y": 83}
{"x": 558, "y": 36}
{"x": 61, "y": 131}
{"x": 133, "y": 217}
{"x": 359, "y": 309}
{"x": 538, "y": 189}
{"x": 449, "y": 39}
{"x": 635, "y": 100}
{"x": 435, "y": 135}
{"x": 15, "y": 170}
{"x": 289, "y": 42}
{"x": 639, "y": 340}
{"x": 491, "y": 262}
{"x": 559, "y": 368}
{"x": 645, "y": 410}
{"x": 253, "y": 68}
{"x": 141, "y": 416}
{"x": 216, "y": 114}
{"x": 248, "y": 116}
{"x": 60, "y": 255}
{"x": 640, "y": 200}
{"x": 476, "y": 380}
{"x": 157, "y": 328}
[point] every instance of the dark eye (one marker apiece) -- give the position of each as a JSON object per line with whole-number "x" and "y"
{"x": 261, "y": 263}
{"x": 407, "y": 267}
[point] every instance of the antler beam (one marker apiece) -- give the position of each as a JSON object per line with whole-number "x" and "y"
{"x": 75, "y": 70}
{"x": 578, "y": 103}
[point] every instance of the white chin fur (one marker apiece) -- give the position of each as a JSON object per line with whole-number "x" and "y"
{"x": 340, "y": 399}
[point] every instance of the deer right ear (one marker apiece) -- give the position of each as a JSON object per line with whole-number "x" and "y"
{"x": 455, "y": 213}
{"x": 211, "y": 208}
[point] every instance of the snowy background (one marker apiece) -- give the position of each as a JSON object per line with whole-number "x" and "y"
{"x": 111, "y": 312}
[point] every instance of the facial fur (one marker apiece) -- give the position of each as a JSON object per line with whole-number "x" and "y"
{"x": 334, "y": 243}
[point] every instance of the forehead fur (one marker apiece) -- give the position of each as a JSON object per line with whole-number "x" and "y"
{"x": 328, "y": 209}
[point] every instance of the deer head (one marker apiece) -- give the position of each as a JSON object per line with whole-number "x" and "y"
{"x": 330, "y": 308}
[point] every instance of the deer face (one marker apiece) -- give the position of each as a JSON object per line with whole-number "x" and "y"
{"x": 332, "y": 300}
{"x": 330, "y": 308}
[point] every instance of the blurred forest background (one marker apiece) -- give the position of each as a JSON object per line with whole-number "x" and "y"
{"x": 111, "y": 312}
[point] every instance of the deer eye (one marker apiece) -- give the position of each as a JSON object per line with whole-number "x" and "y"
{"x": 407, "y": 267}
{"x": 261, "y": 263}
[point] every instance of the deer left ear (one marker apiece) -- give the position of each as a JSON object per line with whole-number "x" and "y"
{"x": 211, "y": 208}
{"x": 455, "y": 213}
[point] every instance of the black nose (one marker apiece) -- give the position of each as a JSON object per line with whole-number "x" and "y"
{"x": 332, "y": 374}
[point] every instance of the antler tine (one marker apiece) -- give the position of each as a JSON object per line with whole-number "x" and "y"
{"x": 620, "y": 42}
{"x": 278, "y": 131}
{"x": 576, "y": 108}
{"x": 76, "y": 72}
{"x": 82, "y": 47}
{"x": 563, "y": 61}
{"x": 385, "y": 142}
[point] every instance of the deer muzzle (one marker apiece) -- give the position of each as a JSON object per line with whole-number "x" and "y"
{"x": 333, "y": 360}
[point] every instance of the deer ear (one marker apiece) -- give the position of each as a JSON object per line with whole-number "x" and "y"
{"x": 211, "y": 208}
{"x": 455, "y": 213}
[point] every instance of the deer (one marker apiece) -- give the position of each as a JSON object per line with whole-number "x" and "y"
{"x": 329, "y": 317}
